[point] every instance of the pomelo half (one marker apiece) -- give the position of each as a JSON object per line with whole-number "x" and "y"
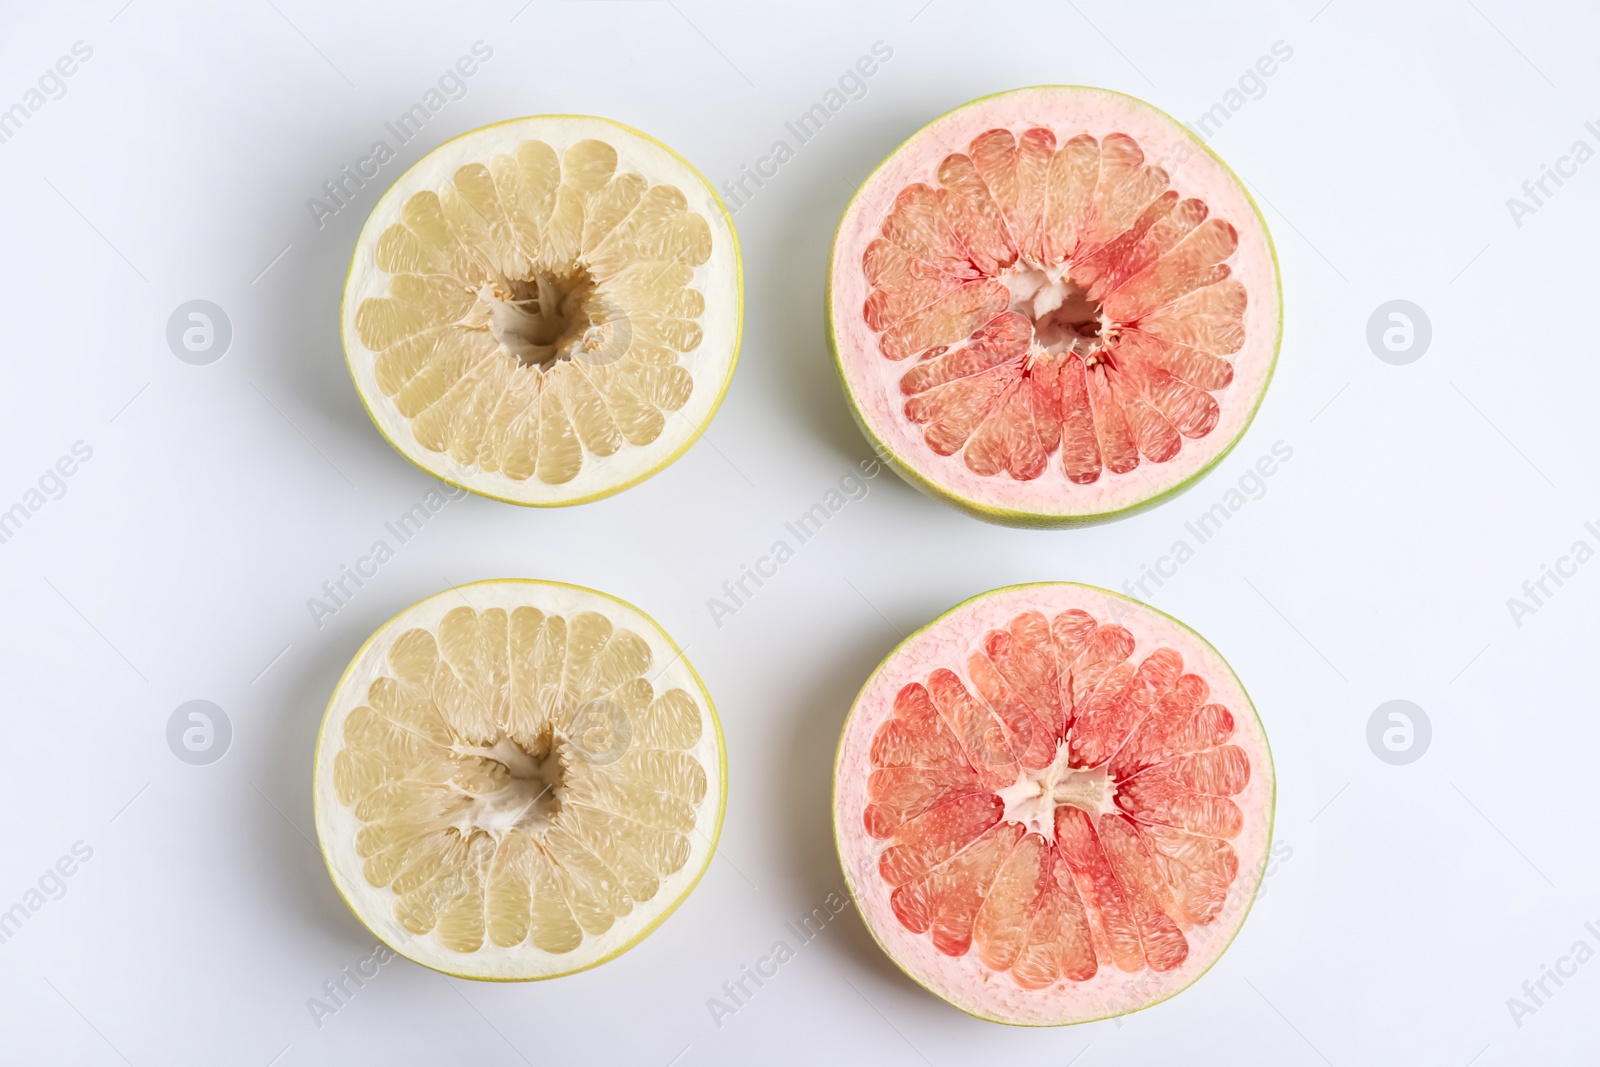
{"x": 546, "y": 310}
{"x": 518, "y": 779}
{"x": 1053, "y": 804}
{"x": 1053, "y": 306}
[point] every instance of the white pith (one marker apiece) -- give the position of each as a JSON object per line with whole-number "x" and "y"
{"x": 1038, "y": 293}
{"x": 533, "y": 790}
{"x": 1033, "y": 798}
{"x": 525, "y": 800}
{"x": 964, "y": 980}
{"x": 555, "y": 321}
{"x": 873, "y": 381}
{"x": 511, "y": 316}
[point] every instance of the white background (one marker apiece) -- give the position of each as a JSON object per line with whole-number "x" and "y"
{"x": 177, "y": 566}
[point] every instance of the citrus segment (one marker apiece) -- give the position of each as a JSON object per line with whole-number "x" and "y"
{"x": 1046, "y": 800}
{"x": 545, "y": 310}
{"x": 517, "y": 780}
{"x": 1053, "y": 305}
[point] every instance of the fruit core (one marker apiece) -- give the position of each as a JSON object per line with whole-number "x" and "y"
{"x": 532, "y": 791}
{"x": 550, "y": 317}
{"x": 1065, "y": 318}
{"x": 1032, "y": 801}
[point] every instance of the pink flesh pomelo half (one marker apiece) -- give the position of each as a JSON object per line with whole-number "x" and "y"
{"x": 1053, "y": 804}
{"x": 1053, "y": 306}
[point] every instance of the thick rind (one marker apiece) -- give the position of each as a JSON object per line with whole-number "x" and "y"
{"x": 336, "y": 823}
{"x": 430, "y": 172}
{"x": 933, "y": 472}
{"x": 963, "y": 981}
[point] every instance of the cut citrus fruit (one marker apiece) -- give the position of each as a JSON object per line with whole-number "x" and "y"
{"x": 1053, "y": 306}
{"x": 1053, "y": 804}
{"x": 546, "y": 310}
{"x": 517, "y": 780}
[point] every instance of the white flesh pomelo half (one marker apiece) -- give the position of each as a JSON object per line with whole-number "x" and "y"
{"x": 1053, "y": 804}
{"x": 1053, "y": 306}
{"x": 546, "y": 310}
{"x": 518, "y": 779}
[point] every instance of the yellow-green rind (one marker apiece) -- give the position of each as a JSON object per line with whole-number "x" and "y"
{"x": 711, "y": 413}
{"x": 722, "y": 777}
{"x": 1272, "y": 801}
{"x": 1028, "y": 519}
